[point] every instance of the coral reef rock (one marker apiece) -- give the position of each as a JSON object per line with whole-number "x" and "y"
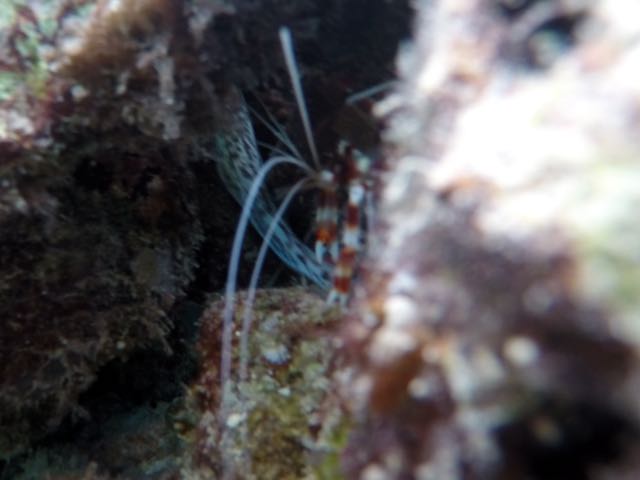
{"x": 111, "y": 212}
{"x": 98, "y": 215}
{"x": 495, "y": 332}
{"x": 283, "y": 420}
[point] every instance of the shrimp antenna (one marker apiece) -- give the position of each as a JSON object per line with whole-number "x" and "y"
{"x": 247, "y": 318}
{"x": 277, "y": 131}
{"x": 232, "y": 273}
{"x": 255, "y": 276}
{"x": 370, "y": 92}
{"x": 294, "y": 74}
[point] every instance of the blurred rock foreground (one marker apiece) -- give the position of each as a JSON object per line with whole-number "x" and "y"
{"x": 494, "y": 327}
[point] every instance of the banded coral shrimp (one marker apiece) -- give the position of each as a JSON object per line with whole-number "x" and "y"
{"x": 339, "y": 239}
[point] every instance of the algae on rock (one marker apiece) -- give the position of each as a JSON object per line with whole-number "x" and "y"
{"x": 284, "y": 419}
{"x": 496, "y": 333}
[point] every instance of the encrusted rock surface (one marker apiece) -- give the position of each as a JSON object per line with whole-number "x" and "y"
{"x": 495, "y": 333}
{"x": 284, "y": 419}
{"x": 99, "y": 227}
{"x": 110, "y": 209}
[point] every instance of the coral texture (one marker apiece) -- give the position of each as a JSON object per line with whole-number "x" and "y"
{"x": 283, "y": 418}
{"x": 98, "y": 217}
{"x": 110, "y": 208}
{"x": 493, "y": 332}
{"x": 496, "y": 331}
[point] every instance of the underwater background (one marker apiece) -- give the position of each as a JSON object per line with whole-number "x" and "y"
{"x": 493, "y": 318}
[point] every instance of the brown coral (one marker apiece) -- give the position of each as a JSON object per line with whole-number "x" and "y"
{"x": 99, "y": 232}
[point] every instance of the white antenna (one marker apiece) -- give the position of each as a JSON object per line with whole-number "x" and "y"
{"x": 370, "y": 92}
{"x": 232, "y": 274}
{"x": 294, "y": 74}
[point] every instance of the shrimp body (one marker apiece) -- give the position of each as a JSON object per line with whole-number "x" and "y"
{"x": 243, "y": 172}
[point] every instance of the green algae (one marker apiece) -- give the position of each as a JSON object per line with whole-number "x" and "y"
{"x": 31, "y": 40}
{"x": 284, "y": 419}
